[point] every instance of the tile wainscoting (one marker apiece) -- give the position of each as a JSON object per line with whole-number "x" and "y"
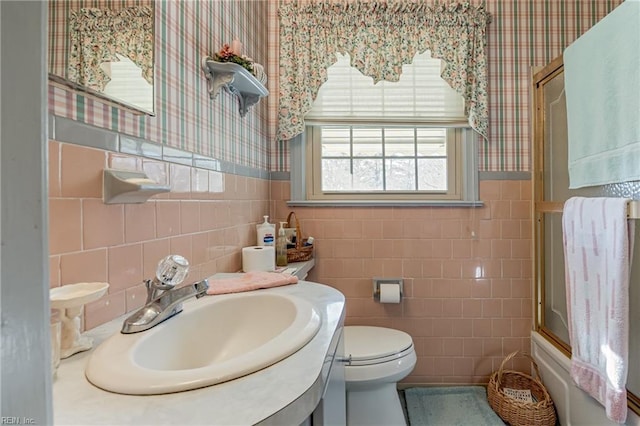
{"x": 208, "y": 216}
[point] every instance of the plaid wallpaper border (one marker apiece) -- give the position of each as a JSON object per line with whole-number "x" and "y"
{"x": 523, "y": 34}
{"x": 186, "y": 118}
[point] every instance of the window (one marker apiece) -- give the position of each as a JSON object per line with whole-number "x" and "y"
{"x": 389, "y": 142}
{"x": 388, "y": 162}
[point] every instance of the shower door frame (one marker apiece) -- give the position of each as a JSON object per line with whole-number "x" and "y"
{"x": 542, "y": 207}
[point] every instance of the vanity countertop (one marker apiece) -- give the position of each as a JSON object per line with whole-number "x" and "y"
{"x": 284, "y": 393}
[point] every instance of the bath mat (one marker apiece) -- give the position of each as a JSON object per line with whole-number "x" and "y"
{"x": 450, "y": 406}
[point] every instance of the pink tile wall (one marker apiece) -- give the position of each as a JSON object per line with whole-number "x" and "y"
{"x": 467, "y": 271}
{"x": 207, "y": 217}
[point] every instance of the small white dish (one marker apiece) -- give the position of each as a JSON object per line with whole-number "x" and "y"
{"x": 72, "y": 295}
{"x": 70, "y": 300}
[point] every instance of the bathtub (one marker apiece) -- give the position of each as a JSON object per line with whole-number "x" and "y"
{"x": 574, "y": 406}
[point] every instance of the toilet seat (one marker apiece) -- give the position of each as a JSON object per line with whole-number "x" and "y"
{"x": 375, "y": 345}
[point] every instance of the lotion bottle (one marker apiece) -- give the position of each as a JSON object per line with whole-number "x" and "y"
{"x": 266, "y": 233}
{"x": 281, "y": 246}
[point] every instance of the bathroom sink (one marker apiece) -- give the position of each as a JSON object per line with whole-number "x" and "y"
{"x": 215, "y": 339}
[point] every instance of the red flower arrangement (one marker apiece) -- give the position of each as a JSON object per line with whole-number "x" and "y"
{"x": 232, "y": 54}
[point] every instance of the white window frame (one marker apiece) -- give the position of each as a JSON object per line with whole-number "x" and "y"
{"x": 467, "y": 193}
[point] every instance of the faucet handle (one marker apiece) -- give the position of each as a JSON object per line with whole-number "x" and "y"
{"x": 201, "y": 288}
{"x": 172, "y": 270}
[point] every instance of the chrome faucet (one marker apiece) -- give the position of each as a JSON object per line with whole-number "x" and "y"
{"x": 164, "y": 300}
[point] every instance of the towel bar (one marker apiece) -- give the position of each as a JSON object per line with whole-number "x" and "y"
{"x": 633, "y": 208}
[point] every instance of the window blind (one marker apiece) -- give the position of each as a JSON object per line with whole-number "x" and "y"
{"x": 421, "y": 96}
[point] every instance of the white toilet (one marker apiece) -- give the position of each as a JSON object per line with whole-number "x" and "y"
{"x": 377, "y": 359}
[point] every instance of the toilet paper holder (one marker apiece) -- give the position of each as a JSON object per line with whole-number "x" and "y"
{"x": 376, "y": 286}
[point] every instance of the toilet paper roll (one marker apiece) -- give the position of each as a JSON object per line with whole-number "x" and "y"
{"x": 258, "y": 258}
{"x": 389, "y": 293}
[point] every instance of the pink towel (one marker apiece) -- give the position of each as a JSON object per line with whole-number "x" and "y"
{"x": 250, "y": 281}
{"x": 598, "y": 247}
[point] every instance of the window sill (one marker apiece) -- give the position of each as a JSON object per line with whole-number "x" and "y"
{"x": 383, "y": 203}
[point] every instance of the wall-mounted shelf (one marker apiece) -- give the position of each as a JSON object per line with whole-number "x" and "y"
{"x": 127, "y": 187}
{"x": 235, "y": 79}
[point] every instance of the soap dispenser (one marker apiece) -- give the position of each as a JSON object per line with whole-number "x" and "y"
{"x": 266, "y": 233}
{"x": 281, "y": 246}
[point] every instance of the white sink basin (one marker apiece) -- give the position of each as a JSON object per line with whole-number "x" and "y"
{"x": 215, "y": 339}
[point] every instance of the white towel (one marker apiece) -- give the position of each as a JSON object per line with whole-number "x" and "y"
{"x": 598, "y": 247}
{"x": 602, "y": 85}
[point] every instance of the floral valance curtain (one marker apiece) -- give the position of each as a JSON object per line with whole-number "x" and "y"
{"x": 96, "y": 35}
{"x": 380, "y": 37}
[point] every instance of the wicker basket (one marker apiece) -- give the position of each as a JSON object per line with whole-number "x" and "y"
{"x": 300, "y": 252}
{"x": 519, "y": 413}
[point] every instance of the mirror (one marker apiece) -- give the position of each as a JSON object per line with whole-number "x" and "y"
{"x": 104, "y": 48}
